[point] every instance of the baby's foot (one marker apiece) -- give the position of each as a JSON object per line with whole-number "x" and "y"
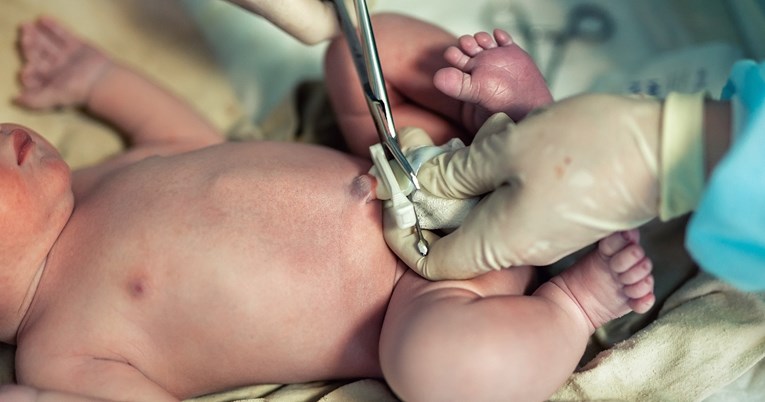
{"x": 610, "y": 281}
{"x": 491, "y": 75}
{"x": 59, "y": 69}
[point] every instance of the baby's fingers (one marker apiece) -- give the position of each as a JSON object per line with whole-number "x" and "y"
{"x": 36, "y": 98}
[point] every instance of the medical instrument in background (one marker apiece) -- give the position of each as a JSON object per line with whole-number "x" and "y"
{"x": 585, "y": 22}
{"x": 363, "y": 49}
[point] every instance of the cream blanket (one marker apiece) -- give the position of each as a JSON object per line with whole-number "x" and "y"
{"x": 705, "y": 335}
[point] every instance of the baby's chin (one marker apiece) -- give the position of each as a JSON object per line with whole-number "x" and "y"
{"x": 363, "y": 188}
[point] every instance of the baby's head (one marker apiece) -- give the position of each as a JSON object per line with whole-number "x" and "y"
{"x": 36, "y": 201}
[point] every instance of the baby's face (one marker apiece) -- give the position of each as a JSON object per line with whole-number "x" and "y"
{"x": 35, "y": 190}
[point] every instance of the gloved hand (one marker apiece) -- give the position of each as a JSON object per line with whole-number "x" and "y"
{"x": 309, "y": 21}
{"x": 563, "y": 178}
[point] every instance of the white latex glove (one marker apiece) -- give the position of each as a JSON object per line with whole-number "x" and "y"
{"x": 309, "y": 21}
{"x": 563, "y": 178}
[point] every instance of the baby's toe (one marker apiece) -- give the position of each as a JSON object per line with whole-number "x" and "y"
{"x": 614, "y": 243}
{"x": 636, "y": 272}
{"x": 469, "y": 45}
{"x": 456, "y": 57}
{"x": 502, "y": 37}
{"x": 626, "y": 258}
{"x": 642, "y": 304}
{"x": 640, "y": 289}
{"x": 485, "y": 40}
{"x": 453, "y": 82}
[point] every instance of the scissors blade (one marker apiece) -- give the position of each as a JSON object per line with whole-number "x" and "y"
{"x": 363, "y": 49}
{"x": 368, "y": 68}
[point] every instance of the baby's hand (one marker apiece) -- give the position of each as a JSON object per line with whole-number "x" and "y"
{"x": 58, "y": 68}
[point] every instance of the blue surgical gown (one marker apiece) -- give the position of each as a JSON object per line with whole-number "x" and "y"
{"x": 726, "y": 234}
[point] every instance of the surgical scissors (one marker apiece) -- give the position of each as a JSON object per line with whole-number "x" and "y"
{"x": 363, "y": 50}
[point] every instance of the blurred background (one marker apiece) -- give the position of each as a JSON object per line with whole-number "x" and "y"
{"x": 648, "y": 46}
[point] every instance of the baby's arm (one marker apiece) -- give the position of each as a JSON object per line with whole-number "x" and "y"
{"x": 60, "y": 69}
{"x": 146, "y": 113}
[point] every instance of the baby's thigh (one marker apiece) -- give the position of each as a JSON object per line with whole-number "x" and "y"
{"x": 435, "y": 326}
{"x": 505, "y": 282}
{"x": 415, "y": 297}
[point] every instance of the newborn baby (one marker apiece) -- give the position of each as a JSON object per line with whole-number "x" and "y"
{"x": 188, "y": 265}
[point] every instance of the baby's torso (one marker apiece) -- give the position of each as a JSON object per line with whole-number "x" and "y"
{"x": 241, "y": 263}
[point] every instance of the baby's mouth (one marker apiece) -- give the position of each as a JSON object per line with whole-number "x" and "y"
{"x": 22, "y": 143}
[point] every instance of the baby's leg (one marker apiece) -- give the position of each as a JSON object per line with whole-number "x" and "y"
{"x": 464, "y": 340}
{"x": 492, "y": 75}
{"x": 59, "y": 69}
{"x": 486, "y": 77}
{"x": 410, "y": 53}
{"x": 606, "y": 284}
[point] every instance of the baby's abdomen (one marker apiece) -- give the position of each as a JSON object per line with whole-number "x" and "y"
{"x": 277, "y": 272}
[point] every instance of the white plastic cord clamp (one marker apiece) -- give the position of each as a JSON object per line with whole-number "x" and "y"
{"x": 402, "y": 208}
